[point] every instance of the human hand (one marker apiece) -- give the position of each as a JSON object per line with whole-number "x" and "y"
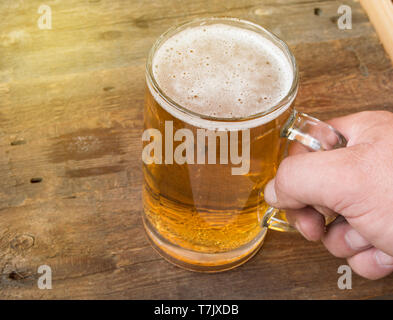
{"x": 356, "y": 182}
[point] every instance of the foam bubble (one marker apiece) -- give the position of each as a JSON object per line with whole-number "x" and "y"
{"x": 222, "y": 71}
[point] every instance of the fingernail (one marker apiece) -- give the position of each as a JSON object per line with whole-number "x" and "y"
{"x": 355, "y": 240}
{"x": 270, "y": 193}
{"x": 384, "y": 259}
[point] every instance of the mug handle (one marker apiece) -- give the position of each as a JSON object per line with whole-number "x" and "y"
{"x": 316, "y": 135}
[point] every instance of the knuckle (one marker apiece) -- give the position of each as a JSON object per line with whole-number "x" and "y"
{"x": 376, "y": 114}
{"x": 354, "y": 180}
{"x": 373, "y": 118}
{"x": 384, "y": 114}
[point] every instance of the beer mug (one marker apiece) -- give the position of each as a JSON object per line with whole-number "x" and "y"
{"x": 218, "y": 118}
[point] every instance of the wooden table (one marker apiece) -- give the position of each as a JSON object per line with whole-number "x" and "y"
{"x": 71, "y": 102}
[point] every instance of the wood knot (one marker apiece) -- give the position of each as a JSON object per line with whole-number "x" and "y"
{"x": 17, "y": 275}
{"x": 317, "y": 11}
{"x": 36, "y": 180}
{"x": 22, "y": 242}
{"x": 17, "y": 142}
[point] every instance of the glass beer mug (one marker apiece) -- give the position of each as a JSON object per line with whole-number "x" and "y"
{"x": 218, "y": 117}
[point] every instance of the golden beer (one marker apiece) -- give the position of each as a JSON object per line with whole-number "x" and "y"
{"x": 222, "y": 76}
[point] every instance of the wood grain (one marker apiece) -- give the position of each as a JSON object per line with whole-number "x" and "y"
{"x": 381, "y": 16}
{"x": 71, "y": 117}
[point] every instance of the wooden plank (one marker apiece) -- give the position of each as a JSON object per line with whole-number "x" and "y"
{"x": 115, "y": 35}
{"x": 381, "y": 15}
{"x": 71, "y": 103}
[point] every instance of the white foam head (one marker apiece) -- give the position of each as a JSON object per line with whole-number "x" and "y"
{"x": 221, "y": 70}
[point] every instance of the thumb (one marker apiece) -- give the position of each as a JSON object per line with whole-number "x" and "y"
{"x": 333, "y": 179}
